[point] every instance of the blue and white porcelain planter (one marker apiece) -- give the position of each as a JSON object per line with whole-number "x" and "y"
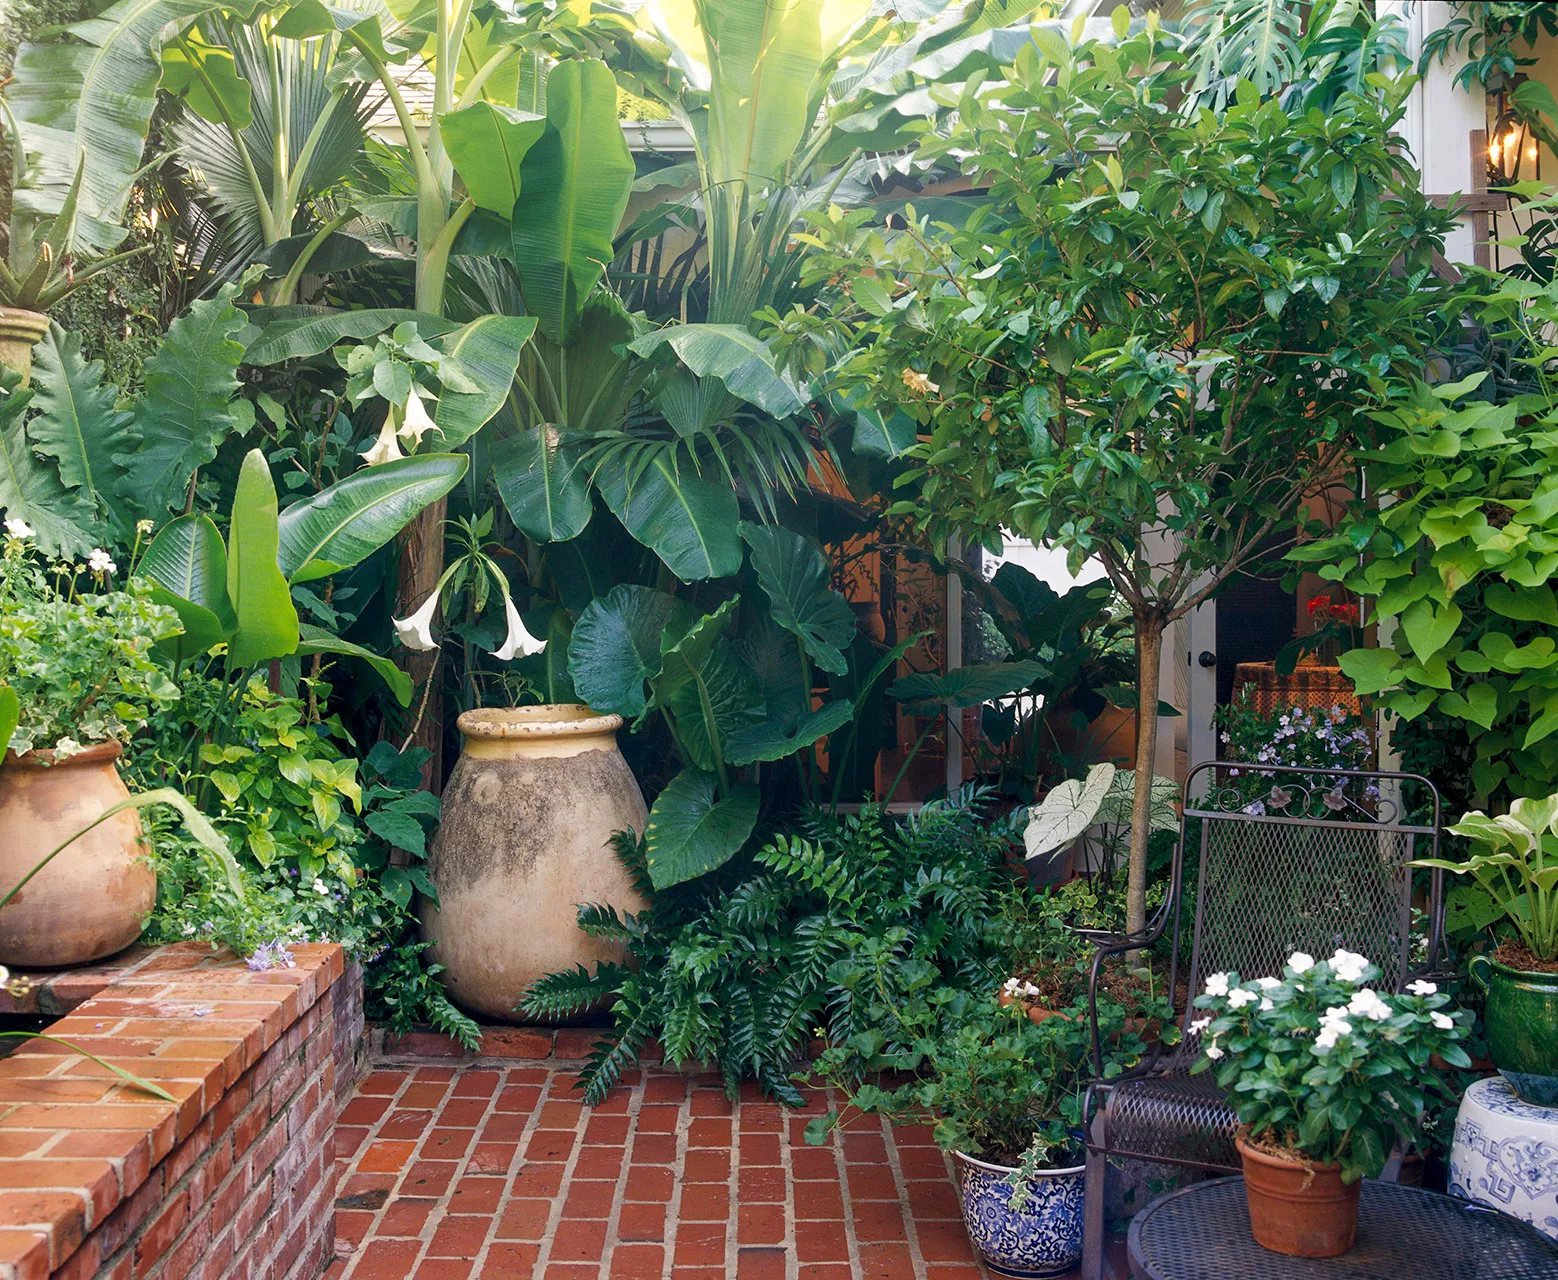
{"x": 1043, "y": 1238}
{"x": 1506, "y": 1154}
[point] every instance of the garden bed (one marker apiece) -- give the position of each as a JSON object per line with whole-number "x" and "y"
{"x": 99, "y": 1178}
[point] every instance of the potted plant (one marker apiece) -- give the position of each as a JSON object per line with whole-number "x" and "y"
{"x": 1515, "y": 862}
{"x": 1326, "y": 1074}
{"x": 81, "y": 665}
{"x": 1006, "y": 1093}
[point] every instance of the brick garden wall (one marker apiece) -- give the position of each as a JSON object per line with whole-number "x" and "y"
{"x": 237, "y": 1179}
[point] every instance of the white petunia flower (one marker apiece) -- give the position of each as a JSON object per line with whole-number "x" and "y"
{"x": 386, "y": 448}
{"x": 1239, "y": 997}
{"x": 18, "y": 528}
{"x": 414, "y": 422}
{"x": 1200, "y": 1025}
{"x": 416, "y": 632}
{"x": 1213, "y": 1052}
{"x": 1349, "y": 966}
{"x": 1301, "y": 962}
{"x": 100, "y": 561}
{"x": 518, "y": 642}
{"x": 1441, "y": 1020}
{"x": 1217, "y": 985}
{"x": 1421, "y": 988}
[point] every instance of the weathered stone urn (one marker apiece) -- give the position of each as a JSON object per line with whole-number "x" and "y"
{"x": 91, "y": 899}
{"x": 528, "y": 817}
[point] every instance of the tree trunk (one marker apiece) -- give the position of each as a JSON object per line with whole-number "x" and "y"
{"x": 421, "y": 565}
{"x": 1149, "y": 649}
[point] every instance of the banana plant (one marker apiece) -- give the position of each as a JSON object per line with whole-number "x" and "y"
{"x": 238, "y": 593}
{"x": 730, "y": 701}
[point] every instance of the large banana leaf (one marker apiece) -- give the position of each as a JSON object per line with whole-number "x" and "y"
{"x": 488, "y": 351}
{"x": 728, "y": 352}
{"x": 89, "y": 95}
{"x": 190, "y": 405}
{"x": 794, "y": 574}
{"x": 267, "y": 623}
{"x": 298, "y": 337}
{"x": 690, "y": 833}
{"x": 30, "y": 488}
{"x": 187, "y": 566}
{"x": 344, "y": 524}
{"x": 616, "y": 647}
{"x": 689, "y": 522}
{"x": 317, "y": 640}
{"x": 574, "y": 188}
{"x": 763, "y": 58}
{"x": 487, "y": 144}
{"x": 78, "y": 424}
{"x": 544, "y": 483}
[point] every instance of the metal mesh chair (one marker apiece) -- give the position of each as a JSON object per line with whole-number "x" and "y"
{"x": 1290, "y": 860}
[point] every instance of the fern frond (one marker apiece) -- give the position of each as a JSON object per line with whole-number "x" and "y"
{"x": 569, "y": 991}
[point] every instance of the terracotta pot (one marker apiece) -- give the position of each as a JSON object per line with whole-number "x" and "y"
{"x": 19, "y": 331}
{"x": 90, "y": 901}
{"x": 528, "y": 817}
{"x": 1302, "y": 1210}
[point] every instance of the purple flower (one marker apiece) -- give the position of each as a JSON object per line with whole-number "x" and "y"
{"x": 271, "y": 955}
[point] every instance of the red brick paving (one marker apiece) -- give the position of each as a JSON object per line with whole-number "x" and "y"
{"x": 497, "y": 1172}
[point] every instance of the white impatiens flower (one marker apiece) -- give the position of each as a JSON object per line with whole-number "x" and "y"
{"x": 414, "y": 422}
{"x": 1421, "y": 988}
{"x": 1326, "y": 1041}
{"x": 1441, "y": 1020}
{"x": 416, "y": 632}
{"x": 100, "y": 561}
{"x": 1266, "y": 984}
{"x": 320, "y": 887}
{"x": 386, "y": 448}
{"x": 1301, "y": 962}
{"x": 518, "y": 642}
{"x": 1349, "y": 966}
{"x": 1217, "y": 985}
{"x": 1239, "y": 997}
{"x": 18, "y": 528}
{"x": 1367, "y": 1004}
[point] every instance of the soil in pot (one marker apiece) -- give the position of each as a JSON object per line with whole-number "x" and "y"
{"x": 90, "y": 901}
{"x": 1297, "y": 1207}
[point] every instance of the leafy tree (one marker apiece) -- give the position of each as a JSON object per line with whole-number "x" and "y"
{"x": 1154, "y": 340}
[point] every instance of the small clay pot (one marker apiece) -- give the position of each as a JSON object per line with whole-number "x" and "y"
{"x": 20, "y": 331}
{"x": 91, "y": 900}
{"x": 1300, "y": 1209}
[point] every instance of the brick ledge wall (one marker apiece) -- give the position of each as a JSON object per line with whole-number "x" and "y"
{"x": 235, "y": 1179}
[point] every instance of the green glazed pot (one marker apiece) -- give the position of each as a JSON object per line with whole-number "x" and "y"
{"x": 1522, "y": 1024}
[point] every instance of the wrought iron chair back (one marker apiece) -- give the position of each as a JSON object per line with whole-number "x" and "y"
{"x": 1304, "y": 860}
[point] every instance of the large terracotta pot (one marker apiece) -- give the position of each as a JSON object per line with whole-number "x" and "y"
{"x": 528, "y": 816}
{"x": 1521, "y": 1016}
{"x": 90, "y": 901}
{"x": 1302, "y": 1210}
{"x": 19, "y": 331}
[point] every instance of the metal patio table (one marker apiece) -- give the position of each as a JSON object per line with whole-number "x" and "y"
{"x": 1404, "y": 1233}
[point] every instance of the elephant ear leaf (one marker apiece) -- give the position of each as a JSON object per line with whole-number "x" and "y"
{"x": 794, "y": 574}
{"x": 77, "y": 424}
{"x": 345, "y": 523}
{"x": 30, "y": 488}
{"x": 690, "y": 833}
{"x": 686, "y": 520}
{"x": 768, "y": 741}
{"x": 190, "y": 405}
{"x": 967, "y": 686}
{"x": 616, "y": 647}
{"x": 186, "y": 564}
{"x": 267, "y": 622}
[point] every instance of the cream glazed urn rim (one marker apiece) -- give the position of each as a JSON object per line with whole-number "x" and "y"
{"x": 547, "y": 721}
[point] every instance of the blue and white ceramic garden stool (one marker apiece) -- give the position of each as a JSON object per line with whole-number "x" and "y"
{"x": 1506, "y": 1154}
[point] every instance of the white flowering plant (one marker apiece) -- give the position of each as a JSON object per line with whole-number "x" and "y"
{"x": 1320, "y": 1064}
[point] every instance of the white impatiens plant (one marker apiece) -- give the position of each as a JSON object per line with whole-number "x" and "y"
{"x": 1320, "y": 1063}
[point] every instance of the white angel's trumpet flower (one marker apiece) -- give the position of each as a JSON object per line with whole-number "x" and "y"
{"x": 386, "y": 448}
{"x": 416, "y": 632}
{"x": 414, "y": 422}
{"x": 519, "y": 642}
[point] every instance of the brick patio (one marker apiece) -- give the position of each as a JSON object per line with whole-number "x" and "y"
{"x": 494, "y": 1169}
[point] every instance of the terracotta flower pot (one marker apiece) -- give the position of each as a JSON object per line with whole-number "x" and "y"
{"x": 91, "y": 900}
{"x": 20, "y": 330}
{"x": 528, "y": 817}
{"x": 1302, "y": 1210}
